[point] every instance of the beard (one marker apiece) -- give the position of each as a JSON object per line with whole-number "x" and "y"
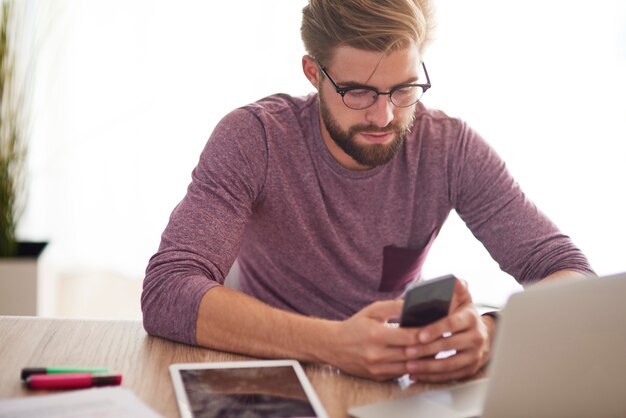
{"x": 369, "y": 155}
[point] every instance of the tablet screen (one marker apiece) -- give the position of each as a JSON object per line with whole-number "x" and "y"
{"x": 244, "y": 389}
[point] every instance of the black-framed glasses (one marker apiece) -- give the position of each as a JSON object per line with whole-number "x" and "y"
{"x": 362, "y": 97}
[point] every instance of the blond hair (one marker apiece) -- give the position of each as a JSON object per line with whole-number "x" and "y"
{"x": 371, "y": 25}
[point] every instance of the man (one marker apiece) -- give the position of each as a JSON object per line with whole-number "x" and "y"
{"x": 330, "y": 204}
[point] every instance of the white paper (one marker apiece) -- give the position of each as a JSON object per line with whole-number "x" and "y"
{"x": 87, "y": 403}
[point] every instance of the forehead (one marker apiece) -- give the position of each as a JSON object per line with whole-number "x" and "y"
{"x": 374, "y": 68}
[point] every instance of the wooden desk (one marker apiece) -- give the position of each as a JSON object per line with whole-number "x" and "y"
{"x": 124, "y": 346}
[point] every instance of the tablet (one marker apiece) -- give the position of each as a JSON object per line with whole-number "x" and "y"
{"x": 254, "y": 389}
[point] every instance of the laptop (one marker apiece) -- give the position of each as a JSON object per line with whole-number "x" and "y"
{"x": 559, "y": 351}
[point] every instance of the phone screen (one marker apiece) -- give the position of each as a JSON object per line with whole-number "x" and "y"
{"x": 428, "y": 301}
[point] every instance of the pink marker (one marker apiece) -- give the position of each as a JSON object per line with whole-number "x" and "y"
{"x": 71, "y": 381}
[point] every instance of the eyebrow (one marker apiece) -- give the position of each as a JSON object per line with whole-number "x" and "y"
{"x": 347, "y": 84}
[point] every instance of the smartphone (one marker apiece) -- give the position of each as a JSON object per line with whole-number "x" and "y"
{"x": 428, "y": 301}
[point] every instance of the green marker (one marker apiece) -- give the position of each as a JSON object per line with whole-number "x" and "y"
{"x": 58, "y": 370}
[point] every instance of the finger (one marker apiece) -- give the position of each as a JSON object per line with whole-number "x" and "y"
{"x": 463, "y": 283}
{"x": 386, "y": 355}
{"x": 456, "y": 322}
{"x": 386, "y": 371}
{"x": 398, "y": 337}
{"x": 461, "y": 295}
{"x": 458, "y": 342}
{"x": 443, "y": 377}
{"x": 384, "y": 310}
{"x": 460, "y": 360}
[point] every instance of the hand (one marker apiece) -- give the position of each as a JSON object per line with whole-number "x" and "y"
{"x": 467, "y": 333}
{"x": 364, "y": 345}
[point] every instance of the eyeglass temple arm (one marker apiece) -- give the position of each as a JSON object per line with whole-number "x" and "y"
{"x": 427, "y": 77}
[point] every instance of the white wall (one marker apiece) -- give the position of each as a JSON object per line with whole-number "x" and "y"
{"x": 544, "y": 82}
{"x": 129, "y": 91}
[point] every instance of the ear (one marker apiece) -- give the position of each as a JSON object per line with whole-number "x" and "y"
{"x": 311, "y": 70}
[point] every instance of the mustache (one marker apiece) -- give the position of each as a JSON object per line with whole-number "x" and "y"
{"x": 392, "y": 127}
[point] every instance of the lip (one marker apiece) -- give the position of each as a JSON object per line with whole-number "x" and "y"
{"x": 377, "y": 137}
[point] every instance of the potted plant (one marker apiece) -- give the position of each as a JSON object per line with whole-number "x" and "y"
{"x": 18, "y": 260}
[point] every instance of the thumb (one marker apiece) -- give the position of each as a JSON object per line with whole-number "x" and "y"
{"x": 462, "y": 295}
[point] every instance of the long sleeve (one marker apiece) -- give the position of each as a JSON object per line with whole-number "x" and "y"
{"x": 202, "y": 238}
{"x": 524, "y": 242}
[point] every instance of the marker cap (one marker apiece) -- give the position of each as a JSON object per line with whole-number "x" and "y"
{"x": 29, "y": 371}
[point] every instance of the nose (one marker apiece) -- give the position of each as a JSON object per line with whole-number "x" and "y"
{"x": 381, "y": 112}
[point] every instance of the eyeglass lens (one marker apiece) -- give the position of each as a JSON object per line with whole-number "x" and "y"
{"x": 402, "y": 97}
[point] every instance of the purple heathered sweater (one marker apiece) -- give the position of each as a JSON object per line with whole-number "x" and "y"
{"x": 315, "y": 238}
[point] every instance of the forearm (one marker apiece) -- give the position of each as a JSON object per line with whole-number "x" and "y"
{"x": 565, "y": 274}
{"x": 560, "y": 275}
{"x": 231, "y": 321}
